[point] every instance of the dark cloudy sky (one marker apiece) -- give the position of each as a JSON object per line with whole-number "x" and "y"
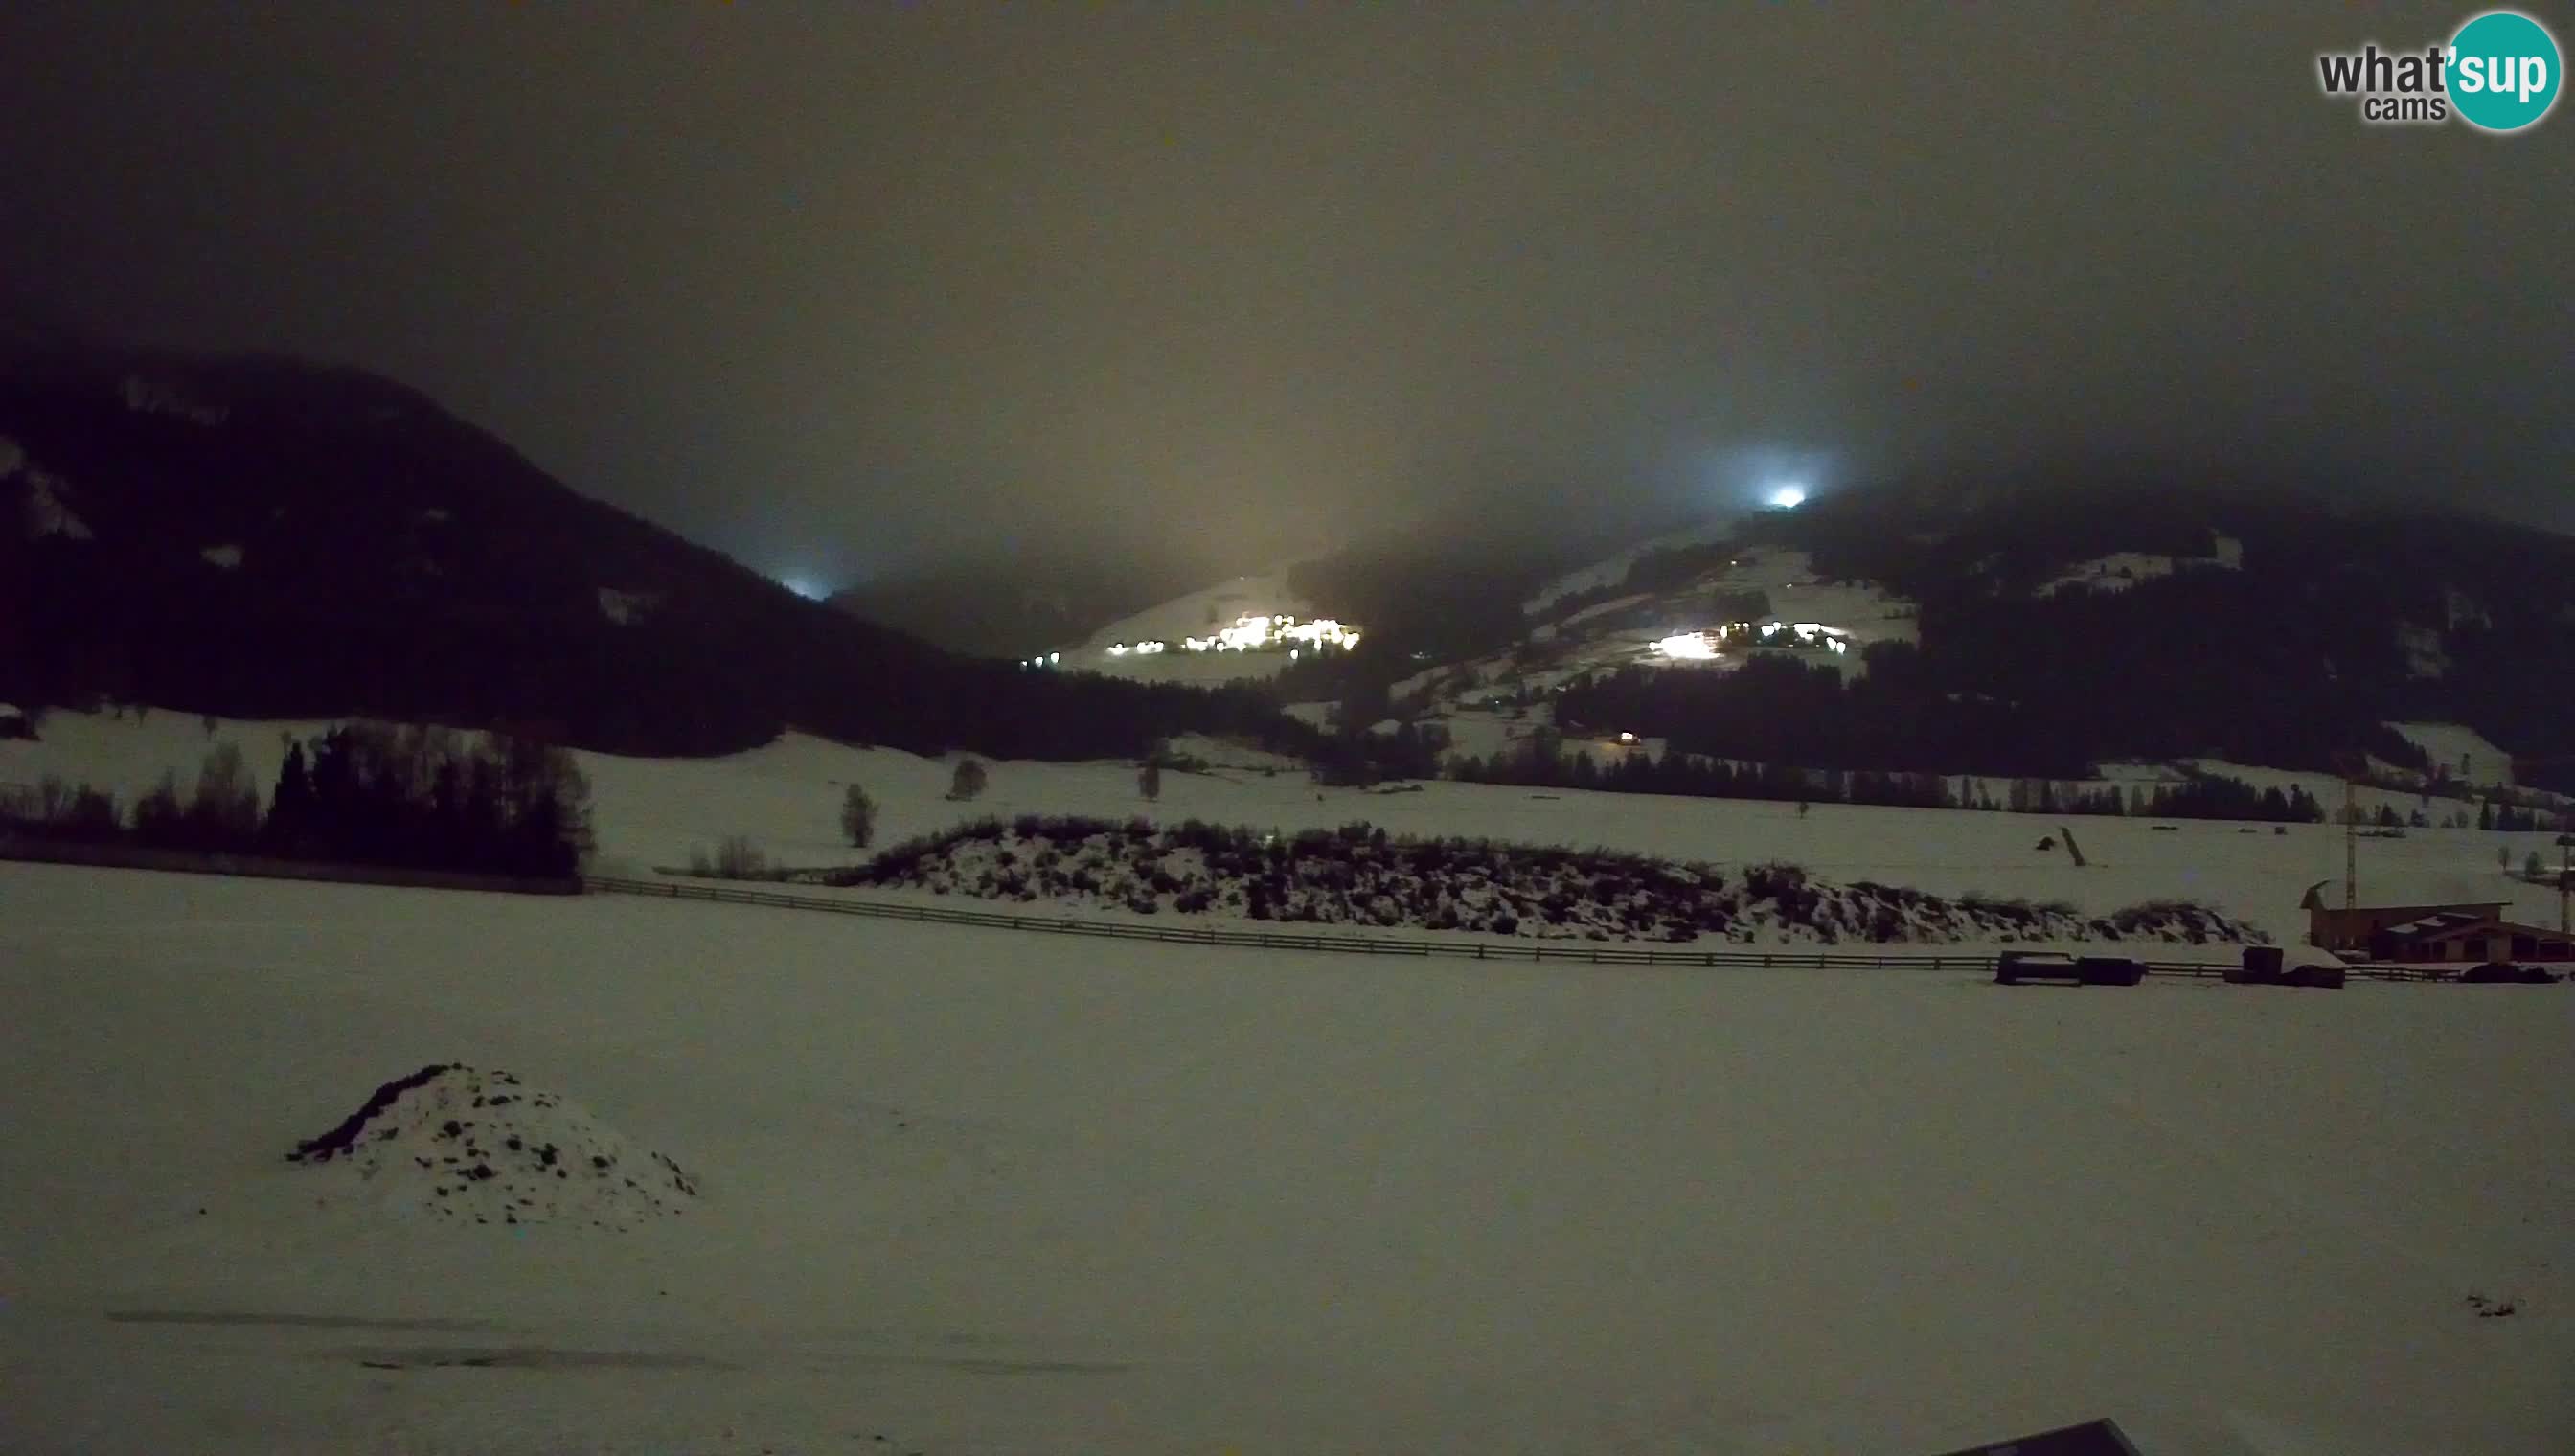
{"x": 840, "y": 287}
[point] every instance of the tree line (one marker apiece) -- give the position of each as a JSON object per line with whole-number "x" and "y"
{"x": 373, "y": 794}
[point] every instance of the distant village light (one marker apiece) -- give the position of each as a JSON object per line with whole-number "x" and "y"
{"x": 1258, "y": 634}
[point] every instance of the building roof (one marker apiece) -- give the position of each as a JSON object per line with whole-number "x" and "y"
{"x": 2452, "y": 926}
{"x": 2447, "y": 922}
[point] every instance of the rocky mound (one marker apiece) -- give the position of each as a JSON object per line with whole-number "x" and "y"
{"x": 468, "y": 1144}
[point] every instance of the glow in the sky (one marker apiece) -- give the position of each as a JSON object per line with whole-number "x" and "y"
{"x": 805, "y": 587}
{"x": 1788, "y": 498}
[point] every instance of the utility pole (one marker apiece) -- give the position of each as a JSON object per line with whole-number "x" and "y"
{"x": 2565, "y": 880}
{"x": 2350, "y": 842}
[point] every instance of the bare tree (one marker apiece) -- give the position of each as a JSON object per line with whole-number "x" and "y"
{"x": 858, "y": 817}
{"x": 225, "y": 811}
{"x": 737, "y": 857}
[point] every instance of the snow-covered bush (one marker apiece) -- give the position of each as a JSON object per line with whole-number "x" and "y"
{"x": 1359, "y": 874}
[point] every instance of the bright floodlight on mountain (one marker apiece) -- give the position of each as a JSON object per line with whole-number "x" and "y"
{"x": 1787, "y": 498}
{"x": 805, "y": 587}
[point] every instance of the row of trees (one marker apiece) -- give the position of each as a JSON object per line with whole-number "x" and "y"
{"x": 361, "y": 793}
{"x": 431, "y": 797}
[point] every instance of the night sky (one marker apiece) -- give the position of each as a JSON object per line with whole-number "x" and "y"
{"x": 843, "y": 288}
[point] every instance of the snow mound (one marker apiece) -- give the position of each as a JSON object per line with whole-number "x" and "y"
{"x": 469, "y": 1144}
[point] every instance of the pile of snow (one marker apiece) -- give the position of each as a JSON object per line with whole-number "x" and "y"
{"x": 468, "y": 1144}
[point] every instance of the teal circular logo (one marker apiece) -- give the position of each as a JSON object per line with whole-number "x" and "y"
{"x": 2503, "y": 71}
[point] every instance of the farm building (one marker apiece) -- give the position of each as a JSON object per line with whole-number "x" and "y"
{"x": 2452, "y": 935}
{"x": 2331, "y": 927}
{"x": 2449, "y": 920}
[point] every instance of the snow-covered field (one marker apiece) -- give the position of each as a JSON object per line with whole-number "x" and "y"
{"x": 979, "y": 1192}
{"x": 2459, "y": 753}
{"x": 787, "y": 796}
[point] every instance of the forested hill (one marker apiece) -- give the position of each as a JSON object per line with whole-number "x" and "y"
{"x": 2064, "y": 620}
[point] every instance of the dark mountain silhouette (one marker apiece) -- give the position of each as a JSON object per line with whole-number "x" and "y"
{"x": 264, "y": 537}
{"x": 2295, "y": 625}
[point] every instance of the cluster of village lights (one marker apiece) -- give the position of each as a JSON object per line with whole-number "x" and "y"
{"x": 1254, "y": 633}
{"x": 1248, "y": 635}
{"x": 1703, "y": 646}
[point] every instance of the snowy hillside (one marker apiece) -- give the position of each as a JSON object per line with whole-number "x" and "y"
{"x": 1246, "y": 629}
{"x": 1200, "y": 612}
{"x": 1742, "y": 603}
{"x": 2459, "y": 753}
{"x": 978, "y": 1193}
{"x": 1612, "y": 570}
